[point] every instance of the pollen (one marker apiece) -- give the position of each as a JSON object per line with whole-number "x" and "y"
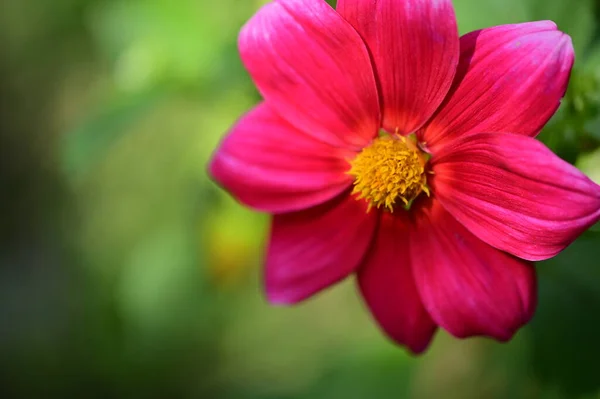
{"x": 389, "y": 172}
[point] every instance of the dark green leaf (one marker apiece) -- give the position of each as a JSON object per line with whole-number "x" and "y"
{"x": 567, "y": 324}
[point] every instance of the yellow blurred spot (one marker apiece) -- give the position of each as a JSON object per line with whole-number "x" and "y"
{"x": 234, "y": 238}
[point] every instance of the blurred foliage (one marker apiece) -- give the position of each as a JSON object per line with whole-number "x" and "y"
{"x": 569, "y": 293}
{"x": 124, "y": 272}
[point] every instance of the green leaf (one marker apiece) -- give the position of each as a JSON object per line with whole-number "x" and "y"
{"x": 87, "y": 143}
{"x": 473, "y": 15}
{"x": 576, "y": 18}
{"x": 182, "y": 43}
{"x": 381, "y": 374}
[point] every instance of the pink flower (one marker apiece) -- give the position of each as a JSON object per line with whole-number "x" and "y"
{"x": 440, "y": 215}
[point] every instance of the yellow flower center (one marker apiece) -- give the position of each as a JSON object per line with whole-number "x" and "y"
{"x": 390, "y": 169}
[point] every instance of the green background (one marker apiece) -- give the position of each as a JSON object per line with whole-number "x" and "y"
{"x": 124, "y": 272}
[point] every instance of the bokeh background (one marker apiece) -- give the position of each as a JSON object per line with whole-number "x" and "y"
{"x": 126, "y": 273}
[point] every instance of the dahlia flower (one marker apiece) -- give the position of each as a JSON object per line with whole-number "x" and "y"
{"x": 389, "y": 148}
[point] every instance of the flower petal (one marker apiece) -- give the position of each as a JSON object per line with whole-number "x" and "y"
{"x": 313, "y": 249}
{"x": 414, "y": 44}
{"x": 269, "y": 165}
{"x": 515, "y": 194}
{"x": 313, "y": 68}
{"x": 468, "y": 287}
{"x": 388, "y": 286}
{"x": 510, "y": 79}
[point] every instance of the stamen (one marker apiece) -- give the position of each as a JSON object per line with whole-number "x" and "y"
{"x": 390, "y": 169}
